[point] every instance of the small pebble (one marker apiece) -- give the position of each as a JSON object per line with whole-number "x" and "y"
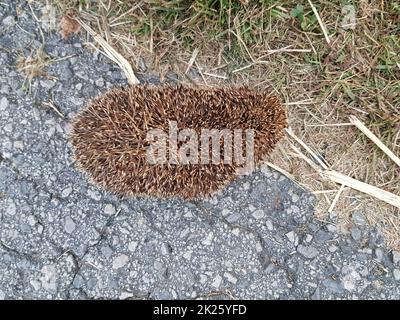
{"x": 109, "y": 209}
{"x": 120, "y": 261}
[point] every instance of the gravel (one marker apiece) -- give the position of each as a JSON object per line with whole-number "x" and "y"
{"x": 63, "y": 238}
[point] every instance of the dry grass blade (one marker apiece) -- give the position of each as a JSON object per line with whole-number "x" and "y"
{"x": 336, "y": 199}
{"x": 342, "y": 179}
{"x": 287, "y": 49}
{"x": 308, "y": 149}
{"x": 373, "y": 191}
{"x": 192, "y": 59}
{"x": 354, "y": 120}
{"x": 52, "y": 106}
{"x": 321, "y": 24}
{"x": 112, "y": 54}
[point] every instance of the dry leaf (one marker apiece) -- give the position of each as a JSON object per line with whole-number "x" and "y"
{"x": 68, "y": 25}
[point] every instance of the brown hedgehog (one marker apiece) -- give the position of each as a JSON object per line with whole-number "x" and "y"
{"x": 110, "y": 137}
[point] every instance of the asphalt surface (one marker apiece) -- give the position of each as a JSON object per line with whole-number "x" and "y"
{"x": 62, "y": 238}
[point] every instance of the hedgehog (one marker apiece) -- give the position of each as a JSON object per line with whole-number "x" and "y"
{"x": 111, "y": 144}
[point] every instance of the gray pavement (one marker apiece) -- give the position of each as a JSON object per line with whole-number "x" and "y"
{"x": 61, "y": 237}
